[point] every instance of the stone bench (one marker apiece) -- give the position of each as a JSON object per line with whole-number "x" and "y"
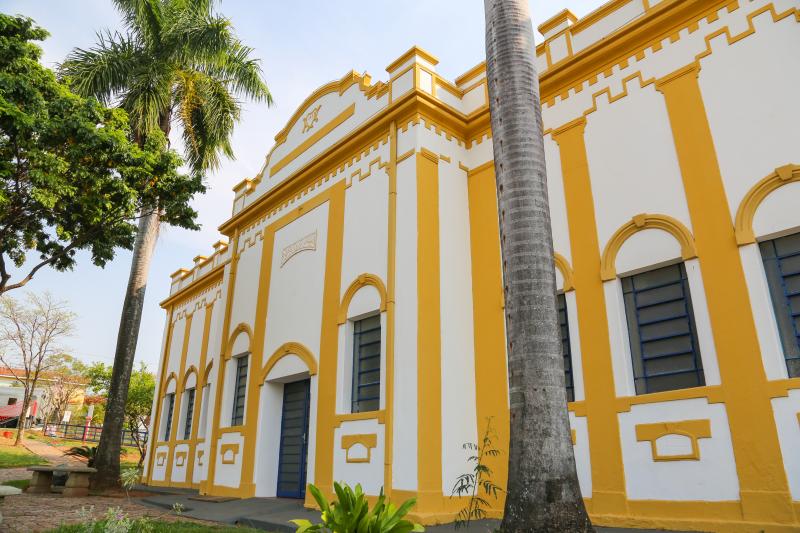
{"x": 5, "y": 490}
{"x": 77, "y": 479}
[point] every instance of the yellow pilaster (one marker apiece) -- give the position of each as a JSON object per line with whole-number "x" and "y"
{"x": 198, "y": 396}
{"x": 762, "y": 478}
{"x": 391, "y": 268}
{"x": 176, "y": 408}
{"x": 608, "y": 477}
{"x": 247, "y": 486}
{"x": 491, "y": 380}
{"x": 226, "y": 325}
{"x": 429, "y": 367}
{"x": 159, "y": 399}
{"x": 329, "y": 343}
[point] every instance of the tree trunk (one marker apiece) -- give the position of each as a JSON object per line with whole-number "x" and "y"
{"x": 108, "y": 451}
{"x": 26, "y": 402}
{"x": 542, "y": 492}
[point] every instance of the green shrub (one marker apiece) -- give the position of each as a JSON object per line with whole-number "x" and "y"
{"x": 86, "y": 452}
{"x": 351, "y": 513}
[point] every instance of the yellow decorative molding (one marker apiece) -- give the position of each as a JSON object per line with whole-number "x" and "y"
{"x": 369, "y": 441}
{"x": 224, "y": 449}
{"x": 161, "y": 458}
{"x": 566, "y": 271}
{"x": 238, "y": 330}
{"x": 311, "y": 118}
{"x": 574, "y": 435}
{"x": 608, "y": 270}
{"x": 694, "y": 429}
{"x": 305, "y": 243}
{"x": 172, "y": 376}
{"x": 361, "y": 281}
{"x": 200, "y": 454}
{"x": 752, "y": 200}
{"x": 312, "y": 139}
{"x": 180, "y": 459}
{"x": 191, "y": 370}
{"x": 289, "y": 348}
{"x": 380, "y": 416}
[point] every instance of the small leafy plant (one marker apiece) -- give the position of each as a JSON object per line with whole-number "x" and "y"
{"x": 128, "y": 478}
{"x": 480, "y": 479}
{"x": 84, "y": 452}
{"x": 350, "y": 513}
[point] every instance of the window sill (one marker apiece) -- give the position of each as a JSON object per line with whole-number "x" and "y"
{"x": 713, "y": 393}
{"x": 367, "y": 415}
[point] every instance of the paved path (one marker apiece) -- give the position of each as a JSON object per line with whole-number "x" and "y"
{"x": 273, "y": 514}
{"x": 51, "y": 454}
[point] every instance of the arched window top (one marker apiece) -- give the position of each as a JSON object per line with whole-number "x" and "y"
{"x": 686, "y": 247}
{"x": 565, "y": 270}
{"x": 363, "y": 280}
{"x": 190, "y": 378}
{"x": 240, "y": 341}
{"x": 745, "y": 234}
{"x": 288, "y": 350}
{"x": 171, "y": 383}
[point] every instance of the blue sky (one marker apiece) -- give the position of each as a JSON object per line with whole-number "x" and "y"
{"x": 302, "y": 44}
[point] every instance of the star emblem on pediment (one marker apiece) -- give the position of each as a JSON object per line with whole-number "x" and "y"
{"x": 311, "y": 118}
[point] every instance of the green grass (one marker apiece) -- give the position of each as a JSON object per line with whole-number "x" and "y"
{"x": 17, "y": 456}
{"x": 19, "y": 483}
{"x": 159, "y": 526}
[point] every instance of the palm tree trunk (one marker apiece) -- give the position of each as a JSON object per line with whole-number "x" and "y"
{"x": 543, "y": 492}
{"x": 108, "y": 451}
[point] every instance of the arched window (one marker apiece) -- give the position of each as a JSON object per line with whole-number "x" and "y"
{"x": 782, "y": 266}
{"x": 661, "y": 330}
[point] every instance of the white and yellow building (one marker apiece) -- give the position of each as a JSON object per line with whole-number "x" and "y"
{"x": 351, "y": 327}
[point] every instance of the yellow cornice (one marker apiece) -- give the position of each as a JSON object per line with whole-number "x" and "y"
{"x": 313, "y": 139}
{"x": 414, "y": 50}
{"x": 340, "y": 86}
{"x": 414, "y": 103}
{"x": 559, "y": 18}
{"x": 601, "y": 12}
{"x": 472, "y": 73}
{"x": 197, "y": 286}
{"x": 656, "y": 24}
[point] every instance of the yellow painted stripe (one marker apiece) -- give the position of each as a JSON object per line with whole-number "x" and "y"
{"x": 608, "y": 479}
{"x": 491, "y": 380}
{"x": 329, "y": 341}
{"x": 308, "y": 143}
{"x": 762, "y": 478}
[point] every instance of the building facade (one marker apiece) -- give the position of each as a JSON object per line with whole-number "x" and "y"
{"x": 351, "y": 327}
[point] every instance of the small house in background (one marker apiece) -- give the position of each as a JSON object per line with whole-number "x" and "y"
{"x": 43, "y": 402}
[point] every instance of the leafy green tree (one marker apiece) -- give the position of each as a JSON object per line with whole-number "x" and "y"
{"x": 181, "y": 63}
{"x": 70, "y": 176}
{"x": 139, "y": 402}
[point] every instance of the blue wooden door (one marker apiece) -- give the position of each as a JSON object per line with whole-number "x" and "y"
{"x": 293, "y": 453}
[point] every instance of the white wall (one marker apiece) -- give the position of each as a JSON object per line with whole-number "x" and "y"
{"x": 457, "y": 336}
{"x": 404, "y": 468}
{"x": 712, "y": 478}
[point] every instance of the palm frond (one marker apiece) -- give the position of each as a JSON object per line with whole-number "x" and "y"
{"x": 198, "y": 38}
{"x": 144, "y": 18}
{"x": 148, "y": 98}
{"x": 207, "y": 111}
{"x": 243, "y": 74}
{"x": 104, "y": 70}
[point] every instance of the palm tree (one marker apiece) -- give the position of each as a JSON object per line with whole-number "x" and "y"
{"x": 543, "y": 492}
{"x": 179, "y": 62}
